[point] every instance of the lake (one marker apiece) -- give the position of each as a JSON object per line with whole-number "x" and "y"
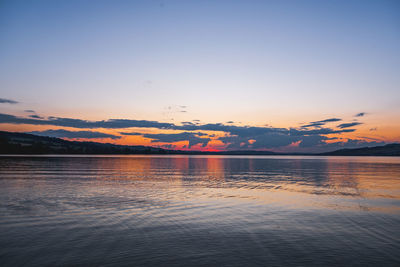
{"x": 199, "y": 211}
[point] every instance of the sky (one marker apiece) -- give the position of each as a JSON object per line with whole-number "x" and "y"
{"x": 296, "y": 76}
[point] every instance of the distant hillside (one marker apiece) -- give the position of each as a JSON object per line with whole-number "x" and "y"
{"x": 386, "y": 150}
{"x": 22, "y": 143}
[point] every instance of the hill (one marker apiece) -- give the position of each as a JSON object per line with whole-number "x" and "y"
{"x": 386, "y": 150}
{"x": 22, "y": 143}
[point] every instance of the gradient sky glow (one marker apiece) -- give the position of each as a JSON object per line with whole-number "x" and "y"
{"x": 282, "y": 64}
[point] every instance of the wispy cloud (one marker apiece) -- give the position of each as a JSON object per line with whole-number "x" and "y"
{"x": 361, "y": 114}
{"x": 35, "y": 116}
{"x": 348, "y": 125}
{"x": 123, "y": 133}
{"x": 7, "y": 101}
{"x": 320, "y": 123}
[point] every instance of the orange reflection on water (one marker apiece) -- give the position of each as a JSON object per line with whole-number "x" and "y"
{"x": 345, "y": 183}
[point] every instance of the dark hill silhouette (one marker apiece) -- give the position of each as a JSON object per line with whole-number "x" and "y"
{"x": 386, "y": 150}
{"x": 22, "y": 143}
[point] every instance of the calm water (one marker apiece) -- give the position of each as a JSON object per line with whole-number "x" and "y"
{"x": 198, "y": 211}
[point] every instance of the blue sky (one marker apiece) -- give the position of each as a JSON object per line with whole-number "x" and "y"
{"x": 280, "y": 63}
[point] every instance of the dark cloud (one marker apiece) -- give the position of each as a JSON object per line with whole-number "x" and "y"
{"x": 29, "y": 111}
{"x": 312, "y": 141}
{"x": 331, "y": 120}
{"x": 202, "y": 134}
{"x": 35, "y": 116}
{"x": 270, "y": 140}
{"x": 313, "y": 124}
{"x": 348, "y": 125}
{"x": 252, "y": 131}
{"x": 130, "y": 133}
{"x": 74, "y": 134}
{"x": 7, "y": 101}
{"x": 320, "y": 131}
{"x": 373, "y": 129}
{"x": 361, "y": 114}
{"x": 77, "y": 123}
{"x": 370, "y": 138}
{"x": 192, "y": 138}
{"x": 187, "y": 123}
{"x": 320, "y": 123}
{"x": 274, "y": 139}
{"x": 232, "y": 129}
{"x": 230, "y": 122}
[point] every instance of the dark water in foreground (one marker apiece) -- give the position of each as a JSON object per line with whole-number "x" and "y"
{"x": 215, "y": 210}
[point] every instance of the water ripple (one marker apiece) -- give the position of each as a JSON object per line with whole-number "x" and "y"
{"x": 175, "y": 210}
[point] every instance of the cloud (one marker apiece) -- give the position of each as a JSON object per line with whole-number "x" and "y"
{"x": 232, "y": 129}
{"x": 320, "y": 123}
{"x": 251, "y": 131}
{"x": 279, "y": 138}
{"x": 319, "y": 131}
{"x": 29, "y": 111}
{"x": 7, "y": 101}
{"x": 74, "y": 134}
{"x": 171, "y": 110}
{"x": 35, "y": 116}
{"x": 187, "y": 123}
{"x": 192, "y": 138}
{"x": 361, "y": 114}
{"x": 271, "y": 140}
{"x": 130, "y": 133}
{"x": 202, "y": 134}
{"x": 84, "y": 124}
{"x": 348, "y": 125}
{"x": 312, "y": 141}
{"x": 126, "y": 123}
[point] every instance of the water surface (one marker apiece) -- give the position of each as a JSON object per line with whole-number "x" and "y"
{"x": 199, "y": 210}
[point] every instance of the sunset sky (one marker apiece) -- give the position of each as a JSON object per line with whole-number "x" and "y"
{"x": 297, "y": 76}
